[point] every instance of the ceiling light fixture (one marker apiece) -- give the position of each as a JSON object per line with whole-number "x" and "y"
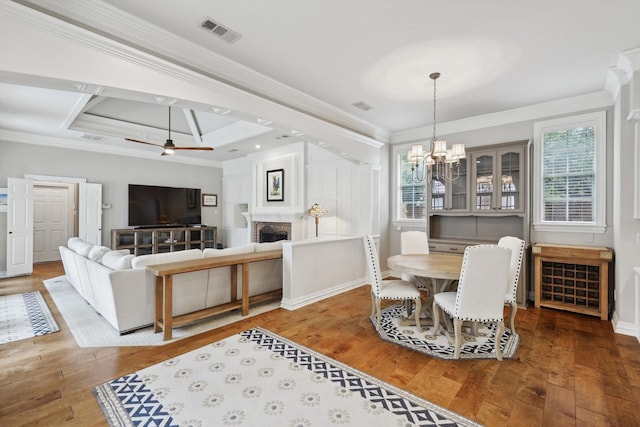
{"x": 439, "y": 163}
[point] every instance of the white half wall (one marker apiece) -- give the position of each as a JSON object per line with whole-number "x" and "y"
{"x": 316, "y": 269}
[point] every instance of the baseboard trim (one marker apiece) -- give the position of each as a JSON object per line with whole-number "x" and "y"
{"x": 625, "y": 328}
{"x": 295, "y": 303}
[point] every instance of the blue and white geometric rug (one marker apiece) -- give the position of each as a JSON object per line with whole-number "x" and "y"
{"x": 24, "y": 316}
{"x": 480, "y": 346}
{"x": 258, "y": 378}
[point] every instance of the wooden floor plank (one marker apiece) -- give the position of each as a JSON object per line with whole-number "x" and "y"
{"x": 570, "y": 369}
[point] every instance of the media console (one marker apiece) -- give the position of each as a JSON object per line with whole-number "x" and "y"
{"x": 142, "y": 241}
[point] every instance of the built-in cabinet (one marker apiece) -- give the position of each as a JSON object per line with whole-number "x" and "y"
{"x": 488, "y": 200}
{"x": 498, "y": 180}
{"x": 450, "y": 196}
{"x": 142, "y": 241}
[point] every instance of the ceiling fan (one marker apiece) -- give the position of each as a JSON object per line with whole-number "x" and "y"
{"x": 169, "y": 146}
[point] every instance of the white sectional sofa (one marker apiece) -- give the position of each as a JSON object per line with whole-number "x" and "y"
{"x": 117, "y": 285}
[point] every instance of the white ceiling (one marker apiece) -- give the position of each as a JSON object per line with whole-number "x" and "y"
{"x": 493, "y": 56}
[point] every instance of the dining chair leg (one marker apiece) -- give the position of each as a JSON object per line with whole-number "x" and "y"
{"x": 378, "y": 313}
{"x": 373, "y": 304}
{"x": 408, "y": 306}
{"x": 417, "y": 313}
{"x": 457, "y": 327}
{"x": 499, "y": 332}
{"x": 512, "y": 317}
{"x": 436, "y": 319}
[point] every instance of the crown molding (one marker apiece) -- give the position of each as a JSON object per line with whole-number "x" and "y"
{"x": 94, "y": 147}
{"x": 100, "y": 18}
{"x": 532, "y": 112}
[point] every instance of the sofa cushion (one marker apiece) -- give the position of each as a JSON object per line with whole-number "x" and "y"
{"x": 269, "y": 246}
{"x": 144, "y": 260}
{"x": 97, "y": 252}
{"x": 117, "y": 260}
{"x": 207, "y": 253}
{"x": 79, "y": 246}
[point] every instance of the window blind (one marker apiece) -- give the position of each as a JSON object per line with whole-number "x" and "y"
{"x": 569, "y": 175}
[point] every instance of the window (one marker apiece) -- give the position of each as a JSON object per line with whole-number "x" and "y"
{"x": 411, "y": 203}
{"x": 570, "y": 174}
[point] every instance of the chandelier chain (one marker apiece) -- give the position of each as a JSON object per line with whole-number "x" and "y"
{"x": 434, "y": 105}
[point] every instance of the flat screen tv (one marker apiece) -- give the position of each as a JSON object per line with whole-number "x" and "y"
{"x": 154, "y": 206}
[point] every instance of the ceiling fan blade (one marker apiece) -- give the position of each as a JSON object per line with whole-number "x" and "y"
{"x": 194, "y": 148}
{"x": 142, "y": 142}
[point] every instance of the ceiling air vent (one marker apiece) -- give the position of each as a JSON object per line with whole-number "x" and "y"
{"x": 362, "y": 106}
{"x": 224, "y": 33}
{"x": 91, "y": 137}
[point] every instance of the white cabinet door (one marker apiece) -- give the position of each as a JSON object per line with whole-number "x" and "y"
{"x": 19, "y": 227}
{"x": 90, "y": 213}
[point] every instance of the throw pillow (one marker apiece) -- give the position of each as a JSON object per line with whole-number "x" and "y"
{"x": 97, "y": 252}
{"x": 79, "y": 246}
{"x": 117, "y": 260}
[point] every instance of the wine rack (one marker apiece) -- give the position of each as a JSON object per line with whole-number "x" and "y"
{"x": 573, "y": 278}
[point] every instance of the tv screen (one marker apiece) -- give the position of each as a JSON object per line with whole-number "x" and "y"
{"x": 163, "y": 206}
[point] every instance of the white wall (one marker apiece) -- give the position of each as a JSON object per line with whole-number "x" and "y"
{"x": 625, "y": 227}
{"x": 349, "y": 192}
{"x": 113, "y": 172}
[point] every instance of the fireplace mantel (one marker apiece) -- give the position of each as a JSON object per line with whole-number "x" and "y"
{"x": 273, "y": 216}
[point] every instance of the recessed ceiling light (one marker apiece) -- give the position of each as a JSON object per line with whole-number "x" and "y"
{"x": 362, "y": 106}
{"x": 257, "y": 145}
{"x": 222, "y": 111}
{"x": 296, "y": 132}
{"x": 264, "y": 121}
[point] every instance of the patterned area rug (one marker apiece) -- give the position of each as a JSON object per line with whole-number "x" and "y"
{"x": 25, "y": 316}
{"x": 91, "y": 330}
{"x": 473, "y": 347}
{"x": 258, "y": 378}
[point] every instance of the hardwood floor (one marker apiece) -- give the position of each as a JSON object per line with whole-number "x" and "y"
{"x": 570, "y": 369}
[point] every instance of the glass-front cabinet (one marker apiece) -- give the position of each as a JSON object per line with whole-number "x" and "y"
{"x": 498, "y": 181}
{"x": 450, "y": 196}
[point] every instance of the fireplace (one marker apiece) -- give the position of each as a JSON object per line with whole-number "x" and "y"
{"x": 271, "y": 231}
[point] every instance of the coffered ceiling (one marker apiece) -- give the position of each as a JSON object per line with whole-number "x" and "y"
{"x": 328, "y": 59}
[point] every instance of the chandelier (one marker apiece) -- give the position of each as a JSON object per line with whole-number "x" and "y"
{"x": 441, "y": 163}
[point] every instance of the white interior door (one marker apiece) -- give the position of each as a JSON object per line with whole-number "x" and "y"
{"x": 90, "y": 213}
{"x": 51, "y": 220}
{"x": 19, "y": 227}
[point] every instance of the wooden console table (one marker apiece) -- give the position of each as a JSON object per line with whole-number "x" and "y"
{"x": 164, "y": 320}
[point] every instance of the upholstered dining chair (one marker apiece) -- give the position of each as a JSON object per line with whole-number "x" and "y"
{"x": 480, "y": 295}
{"x": 399, "y": 290}
{"x": 516, "y": 246}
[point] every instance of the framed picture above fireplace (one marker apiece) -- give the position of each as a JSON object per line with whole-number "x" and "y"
{"x": 275, "y": 185}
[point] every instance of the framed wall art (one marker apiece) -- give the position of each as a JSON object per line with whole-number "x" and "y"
{"x": 209, "y": 200}
{"x": 275, "y": 185}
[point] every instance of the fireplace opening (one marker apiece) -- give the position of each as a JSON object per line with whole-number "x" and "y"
{"x": 271, "y": 231}
{"x": 268, "y": 234}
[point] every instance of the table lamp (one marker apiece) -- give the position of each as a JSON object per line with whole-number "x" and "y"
{"x": 316, "y": 211}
